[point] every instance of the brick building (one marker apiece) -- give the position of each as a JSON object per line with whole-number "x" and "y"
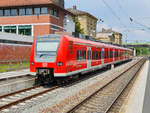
{"x": 32, "y": 17}
{"x": 14, "y": 47}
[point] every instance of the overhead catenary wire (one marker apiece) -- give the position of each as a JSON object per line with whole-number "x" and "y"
{"x": 135, "y": 21}
{"x": 114, "y": 14}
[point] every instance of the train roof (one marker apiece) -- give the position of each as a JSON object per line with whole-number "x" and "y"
{"x": 79, "y": 40}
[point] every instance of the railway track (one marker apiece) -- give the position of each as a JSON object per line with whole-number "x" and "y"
{"x": 15, "y": 84}
{"x": 17, "y": 97}
{"x": 15, "y": 78}
{"x": 102, "y": 99}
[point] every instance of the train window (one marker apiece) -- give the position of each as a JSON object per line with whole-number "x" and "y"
{"x": 110, "y": 54}
{"x": 100, "y": 54}
{"x": 93, "y": 55}
{"x": 117, "y": 53}
{"x": 78, "y": 54}
{"x": 70, "y": 48}
{"x": 84, "y": 55}
{"x": 105, "y": 54}
{"x": 96, "y": 55}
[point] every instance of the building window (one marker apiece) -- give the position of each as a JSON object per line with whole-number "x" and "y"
{"x": 0, "y": 28}
{"x": 29, "y": 11}
{"x": 54, "y": 12}
{"x": 14, "y": 12}
{"x": 36, "y": 11}
{"x": 1, "y": 12}
{"x": 25, "y": 30}
{"x": 7, "y": 12}
{"x": 51, "y": 11}
{"x": 53, "y": 27}
{"x": 21, "y": 11}
{"x": 10, "y": 29}
{"x": 44, "y": 10}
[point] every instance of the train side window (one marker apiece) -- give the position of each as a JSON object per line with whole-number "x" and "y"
{"x": 110, "y": 54}
{"x": 93, "y": 55}
{"x": 105, "y": 54}
{"x": 96, "y": 55}
{"x": 84, "y": 55}
{"x": 79, "y": 55}
{"x": 100, "y": 54}
{"x": 70, "y": 48}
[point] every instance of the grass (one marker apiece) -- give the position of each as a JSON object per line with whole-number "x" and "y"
{"x": 13, "y": 67}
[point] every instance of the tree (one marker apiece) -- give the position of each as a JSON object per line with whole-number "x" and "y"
{"x": 78, "y": 28}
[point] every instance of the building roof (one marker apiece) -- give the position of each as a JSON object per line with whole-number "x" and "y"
{"x": 109, "y": 31}
{"x": 8, "y": 3}
{"x": 17, "y": 3}
{"x": 78, "y": 12}
{"x": 104, "y": 35}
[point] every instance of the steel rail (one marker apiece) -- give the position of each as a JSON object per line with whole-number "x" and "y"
{"x": 122, "y": 90}
{"x": 20, "y": 91}
{"x": 89, "y": 97}
{"x": 27, "y": 98}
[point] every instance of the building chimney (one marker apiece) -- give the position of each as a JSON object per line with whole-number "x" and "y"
{"x": 74, "y": 7}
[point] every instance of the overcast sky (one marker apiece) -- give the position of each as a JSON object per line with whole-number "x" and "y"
{"x": 116, "y": 14}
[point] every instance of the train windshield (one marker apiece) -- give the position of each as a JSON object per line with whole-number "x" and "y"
{"x": 47, "y": 48}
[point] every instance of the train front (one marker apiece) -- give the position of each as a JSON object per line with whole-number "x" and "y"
{"x": 43, "y": 57}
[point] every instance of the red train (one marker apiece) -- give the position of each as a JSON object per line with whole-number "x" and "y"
{"x": 61, "y": 57}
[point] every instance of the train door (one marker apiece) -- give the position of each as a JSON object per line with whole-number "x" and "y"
{"x": 102, "y": 55}
{"x": 88, "y": 57}
{"x": 113, "y": 55}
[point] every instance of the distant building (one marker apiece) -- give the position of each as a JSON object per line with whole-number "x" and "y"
{"x": 110, "y": 36}
{"x": 32, "y": 17}
{"x": 88, "y": 22}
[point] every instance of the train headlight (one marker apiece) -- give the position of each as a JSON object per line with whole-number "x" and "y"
{"x": 32, "y": 63}
{"x": 59, "y": 64}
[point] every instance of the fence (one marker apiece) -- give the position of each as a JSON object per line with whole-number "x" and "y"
{"x": 12, "y": 65}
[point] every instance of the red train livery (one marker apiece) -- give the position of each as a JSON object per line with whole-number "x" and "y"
{"x": 58, "y": 57}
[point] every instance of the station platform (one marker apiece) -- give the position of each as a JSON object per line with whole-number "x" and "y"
{"x": 14, "y": 74}
{"x": 138, "y": 100}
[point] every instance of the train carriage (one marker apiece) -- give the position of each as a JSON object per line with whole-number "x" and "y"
{"x": 59, "y": 57}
